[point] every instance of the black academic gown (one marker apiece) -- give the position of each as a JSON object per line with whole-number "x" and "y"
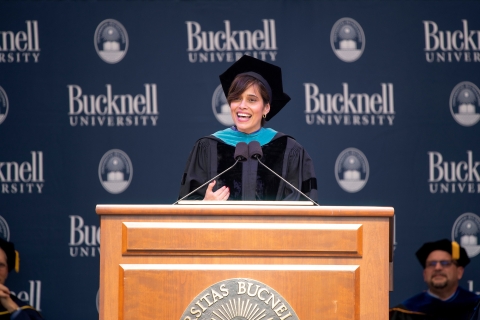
{"x": 476, "y": 312}
{"x": 250, "y": 180}
{"x": 27, "y": 313}
{"x": 461, "y": 306}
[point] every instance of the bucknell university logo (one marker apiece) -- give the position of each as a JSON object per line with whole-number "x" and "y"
{"x": 220, "y": 107}
{"x": 3, "y": 105}
{"x": 115, "y": 171}
{"x": 20, "y": 46}
{"x": 349, "y": 109}
{"x": 239, "y": 299}
{"x": 230, "y": 44}
{"x": 351, "y": 170}
{"x": 460, "y": 45}
{"x": 347, "y": 40}
{"x": 84, "y": 239}
{"x": 465, "y": 231}
{"x": 22, "y": 177}
{"x": 111, "y": 41}
{"x": 465, "y": 104}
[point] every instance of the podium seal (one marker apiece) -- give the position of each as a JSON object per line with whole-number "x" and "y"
{"x": 239, "y": 299}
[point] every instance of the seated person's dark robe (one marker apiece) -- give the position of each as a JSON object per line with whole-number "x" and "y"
{"x": 461, "y": 306}
{"x": 26, "y": 313}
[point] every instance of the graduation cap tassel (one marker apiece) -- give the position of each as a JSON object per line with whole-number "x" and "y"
{"x": 17, "y": 261}
{"x": 455, "y": 250}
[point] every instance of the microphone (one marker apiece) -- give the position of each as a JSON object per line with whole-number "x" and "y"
{"x": 241, "y": 152}
{"x": 255, "y": 152}
{"x": 240, "y": 155}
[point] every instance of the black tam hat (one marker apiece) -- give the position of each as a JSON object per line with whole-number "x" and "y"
{"x": 13, "y": 260}
{"x": 458, "y": 253}
{"x": 268, "y": 74}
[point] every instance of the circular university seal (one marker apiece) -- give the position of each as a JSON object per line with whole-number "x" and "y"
{"x": 4, "y": 229}
{"x": 465, "y": 231}
{"x": 115, "y": 171}
{"x": 220, "y": 107}
{"x": 97, "y": 299}
{"x": 111, "y": 41}
{"x": 3, "y": 105}
{"x": 465, "y": 104}
{"x": 347, "y": 40}
{"x": 239, "y": 299}
{"x": 352, "y": 170}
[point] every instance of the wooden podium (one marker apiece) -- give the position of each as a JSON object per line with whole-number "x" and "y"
{"x": 244, "y": 262}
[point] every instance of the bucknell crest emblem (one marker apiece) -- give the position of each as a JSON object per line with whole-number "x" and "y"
{"x": 347, "y": 40}
{"x": 111, "y": 41}
{"x": 220, "y": 107}
{"x": 239, "y": 299}
{"x": 3, "y": 105}
{"x": 352, "y": 170}
{"x": 115, "y": 171}
{"x": 466, "y": 231}
{"x": 465, "y": 104}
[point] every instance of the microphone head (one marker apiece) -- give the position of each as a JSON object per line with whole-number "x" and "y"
{"x": 254, "y": 150}
{"x": 241, "y": 152}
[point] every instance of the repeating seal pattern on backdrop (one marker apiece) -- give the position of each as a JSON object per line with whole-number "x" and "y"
{"x": 111, "y": 41}
{"x": 465, "y": 104}
{"x": 3, "y": 105}
{"x": 115, "y": 171}
{"x": 220, "y": 107}
{"x": 347, "y": 39}
{"x": 239, "y": 299}
{"x": 351, "y": 170}
{"x": 4, "y": 229}
{"x": 465, "y": 231}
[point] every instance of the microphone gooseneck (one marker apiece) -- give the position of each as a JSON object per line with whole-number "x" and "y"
{"x": 240, "y": 155}
{"x": 255, "y": 152}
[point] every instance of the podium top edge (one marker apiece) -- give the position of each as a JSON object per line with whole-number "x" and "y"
{"x": 246, "y": 203}
{"x": 243, "y": 210}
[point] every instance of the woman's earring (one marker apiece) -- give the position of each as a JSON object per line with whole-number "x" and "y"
{"x": 264, "y": 116}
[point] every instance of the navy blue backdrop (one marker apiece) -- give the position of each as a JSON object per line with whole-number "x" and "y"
{"x": 101, "y": 102}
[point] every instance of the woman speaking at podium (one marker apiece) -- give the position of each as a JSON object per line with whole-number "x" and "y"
{"x": 255, "y": 95}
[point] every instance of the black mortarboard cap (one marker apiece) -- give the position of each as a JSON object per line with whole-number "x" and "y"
{"x": 271, "y": 73}
{"x": 458, "y": 253}
{"x": 12, "y": 255}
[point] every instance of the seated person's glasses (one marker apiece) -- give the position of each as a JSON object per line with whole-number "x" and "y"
{"x": 443, "y": 263}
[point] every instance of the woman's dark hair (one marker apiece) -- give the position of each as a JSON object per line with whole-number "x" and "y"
{"x": 241, "y": 83}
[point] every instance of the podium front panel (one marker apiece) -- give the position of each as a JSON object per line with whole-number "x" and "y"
{"x": 324, "y": 262}
{"x": 222, "y": 292}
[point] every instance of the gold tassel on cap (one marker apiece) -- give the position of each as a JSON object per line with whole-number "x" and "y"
{"x": 455, "y": 250}
{"x": 17, "y": 261}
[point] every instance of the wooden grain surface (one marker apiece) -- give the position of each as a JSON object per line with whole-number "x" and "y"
{"x": 316, "y": 294}
{"x": 121, "y": 284}
{"x": 242, "y": 210}
{"x": 246, "y": 239}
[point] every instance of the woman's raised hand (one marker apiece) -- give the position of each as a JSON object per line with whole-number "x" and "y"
{"x": 221, "y": 194}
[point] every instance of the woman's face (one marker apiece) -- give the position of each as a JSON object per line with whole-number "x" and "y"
{"x": 248, "y": 109}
